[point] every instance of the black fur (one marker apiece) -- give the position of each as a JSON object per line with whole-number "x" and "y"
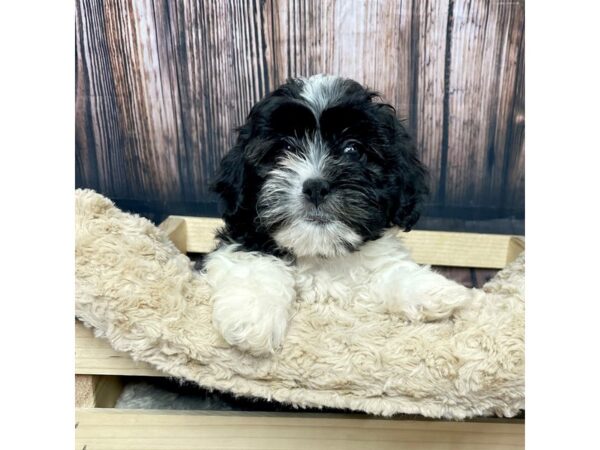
{"x": 384, "y": 177}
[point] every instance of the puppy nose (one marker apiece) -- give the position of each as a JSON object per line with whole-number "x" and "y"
{"x": 315, "y": 189}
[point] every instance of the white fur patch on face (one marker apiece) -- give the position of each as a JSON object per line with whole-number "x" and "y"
{"x": 321, "y": 91}
{"x": 310, "y": 164}
{"x": 281, "y": 197}
{"x": 302, "y": 228}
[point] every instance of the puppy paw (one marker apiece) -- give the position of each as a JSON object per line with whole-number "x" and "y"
{"x": 429, "y": 306}
{"x": 252, "y": 297}
{"x": 252, "y": 324}
{"x": 426, "y": 300}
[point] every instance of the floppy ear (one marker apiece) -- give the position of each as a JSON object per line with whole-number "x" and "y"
{"x": 235, "y": 173}
{"x": 230, "y": 180}
{"x": 411, "y": 174}
{"x": 412, "y": 192}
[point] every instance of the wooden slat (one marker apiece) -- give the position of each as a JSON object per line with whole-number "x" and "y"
{"x": 200, "y": 231}
{"x": 176, "y": 229}
{"x": 97, "y": 391}
{"x": 95, "y": 356}
{"x": 427, "y": 247}
{"x": 516, "y": 246}
{"x": 443, "y": 248}
{"x": 147, "y": 430}
{"x": 108, "y": 390}
{"x": 84, "y": 391}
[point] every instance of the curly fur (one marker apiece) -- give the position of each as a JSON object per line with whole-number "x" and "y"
{"x": 299, "y": 131}
{"x": 141, "y": 294}
{"x": 319, "y": 180}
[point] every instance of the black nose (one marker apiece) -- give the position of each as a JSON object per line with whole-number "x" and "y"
{"x": 315, "y": 189}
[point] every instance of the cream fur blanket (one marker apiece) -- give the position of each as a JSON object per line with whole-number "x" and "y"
{"x": 139, "y": 292}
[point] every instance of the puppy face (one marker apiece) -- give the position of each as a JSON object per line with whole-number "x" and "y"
{"x": 318, "y": 169}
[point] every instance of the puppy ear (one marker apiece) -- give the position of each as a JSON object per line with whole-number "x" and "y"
{"x": 234, "y": 174}
{"x": 412, "y": 192}
{"x": 411, "y": 174}
{"x": 230, "y": 180}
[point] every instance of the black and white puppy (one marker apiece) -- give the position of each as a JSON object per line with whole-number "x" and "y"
{"x": 319, "y": 182}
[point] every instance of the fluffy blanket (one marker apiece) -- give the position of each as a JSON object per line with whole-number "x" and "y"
{"x": 136, "y": 289}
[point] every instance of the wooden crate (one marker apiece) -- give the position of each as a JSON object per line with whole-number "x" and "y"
{"x": 102, "y": 371}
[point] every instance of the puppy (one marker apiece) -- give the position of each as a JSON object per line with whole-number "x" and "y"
{"x": 321, "y": 179}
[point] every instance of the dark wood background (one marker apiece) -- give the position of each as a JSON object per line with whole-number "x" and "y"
{"x": 162, "y": 84}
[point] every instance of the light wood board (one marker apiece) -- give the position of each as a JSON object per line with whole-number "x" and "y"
{"x": 492, "y": 251}
{"x": 97, "y": 391}
{"x": 99, "y": 429}
{"x": 94, "y": 356}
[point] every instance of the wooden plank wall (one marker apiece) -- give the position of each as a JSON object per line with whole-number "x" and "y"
{"x": 161, "y": 84}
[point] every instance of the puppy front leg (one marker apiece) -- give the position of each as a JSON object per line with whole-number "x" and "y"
{"x": 421, "y": 294}
{"x": 252, "y": 297}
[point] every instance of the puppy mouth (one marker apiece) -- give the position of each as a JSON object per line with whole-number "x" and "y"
{"x": 318, "y": 219}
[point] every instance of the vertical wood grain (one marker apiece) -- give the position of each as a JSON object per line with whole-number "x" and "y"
{"x": 98, "y": 138}
{"x": 161, "y": 86}
{"x": 514, "y": 157}
{"x": 486, "y": 37}
{"x": 125, "y": 113}
{"x": 427, "y": 92}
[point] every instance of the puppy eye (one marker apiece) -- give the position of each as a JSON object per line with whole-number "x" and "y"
{"x": 350, "y": 151}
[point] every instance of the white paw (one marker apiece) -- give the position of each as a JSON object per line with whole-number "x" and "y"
{"x": 436, "y": 304}
{"x": 252, "y": 297}
{"x": 251, "y": 323}
{"x": 422, "y": 295}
